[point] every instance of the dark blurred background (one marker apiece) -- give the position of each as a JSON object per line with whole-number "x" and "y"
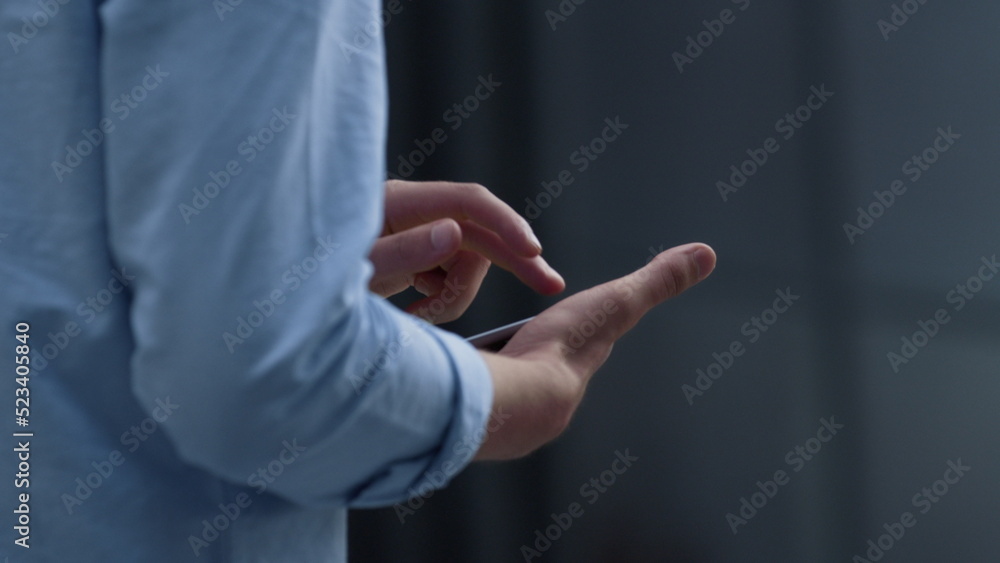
{"x": 564, "y": 68}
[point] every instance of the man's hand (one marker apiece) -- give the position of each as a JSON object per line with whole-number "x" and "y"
{"x": 442, "y": 235}
{"x": 540, "y": 375}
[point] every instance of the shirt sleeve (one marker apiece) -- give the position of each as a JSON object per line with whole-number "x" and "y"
{"x": 244, "y": 151}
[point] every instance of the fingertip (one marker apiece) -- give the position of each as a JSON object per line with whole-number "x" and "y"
{"x": 558, "y": 283}
{"x": 550, "y": 282}
{"x": 704, "y": 258}
{"x": 554, "y": 285}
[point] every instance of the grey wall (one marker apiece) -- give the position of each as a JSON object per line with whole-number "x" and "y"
{"x": 826, "y": 357}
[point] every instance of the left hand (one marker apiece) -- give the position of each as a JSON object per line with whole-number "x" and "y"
{"x": 441, "y": 237}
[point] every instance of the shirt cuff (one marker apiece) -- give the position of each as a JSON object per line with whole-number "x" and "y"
{"x": 473, "y": 404}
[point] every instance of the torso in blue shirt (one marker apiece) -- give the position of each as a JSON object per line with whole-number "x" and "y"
{"x": 188, "y": 192}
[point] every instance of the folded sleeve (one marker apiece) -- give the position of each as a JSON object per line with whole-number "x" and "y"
{"x": 243, "y": 148}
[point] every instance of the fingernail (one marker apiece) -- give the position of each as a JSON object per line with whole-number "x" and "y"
{"x": 441, "y": 236}
{"x": 552, "y": 273}
{"x": 534, "y": 240}
{"x": 558, "y": 276}
{"x": 705, "y": 260}
{"x": 420, "y": 284}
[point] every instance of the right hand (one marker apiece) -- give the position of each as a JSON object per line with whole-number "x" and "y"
{"x": 540, "y": 376}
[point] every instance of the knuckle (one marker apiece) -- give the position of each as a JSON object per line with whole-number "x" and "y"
{"x": 473, "y": 190}
{"x": 400, "y": 250}
{"x": 469, "y": 195}
{"x": 673, "y": 280}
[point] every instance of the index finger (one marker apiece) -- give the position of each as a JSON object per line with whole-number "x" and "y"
{"x": 469, "y": 202}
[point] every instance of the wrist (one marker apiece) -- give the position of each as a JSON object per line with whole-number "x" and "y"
{"x": 536, "y": 400}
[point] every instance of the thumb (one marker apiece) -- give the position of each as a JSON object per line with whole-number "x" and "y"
{"x": 397, "y": 257}
{"x": 667, "y": 275}
{"x": 587, "y": 324}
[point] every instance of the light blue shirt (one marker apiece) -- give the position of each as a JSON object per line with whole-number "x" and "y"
{"x": 188, "y": 194}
